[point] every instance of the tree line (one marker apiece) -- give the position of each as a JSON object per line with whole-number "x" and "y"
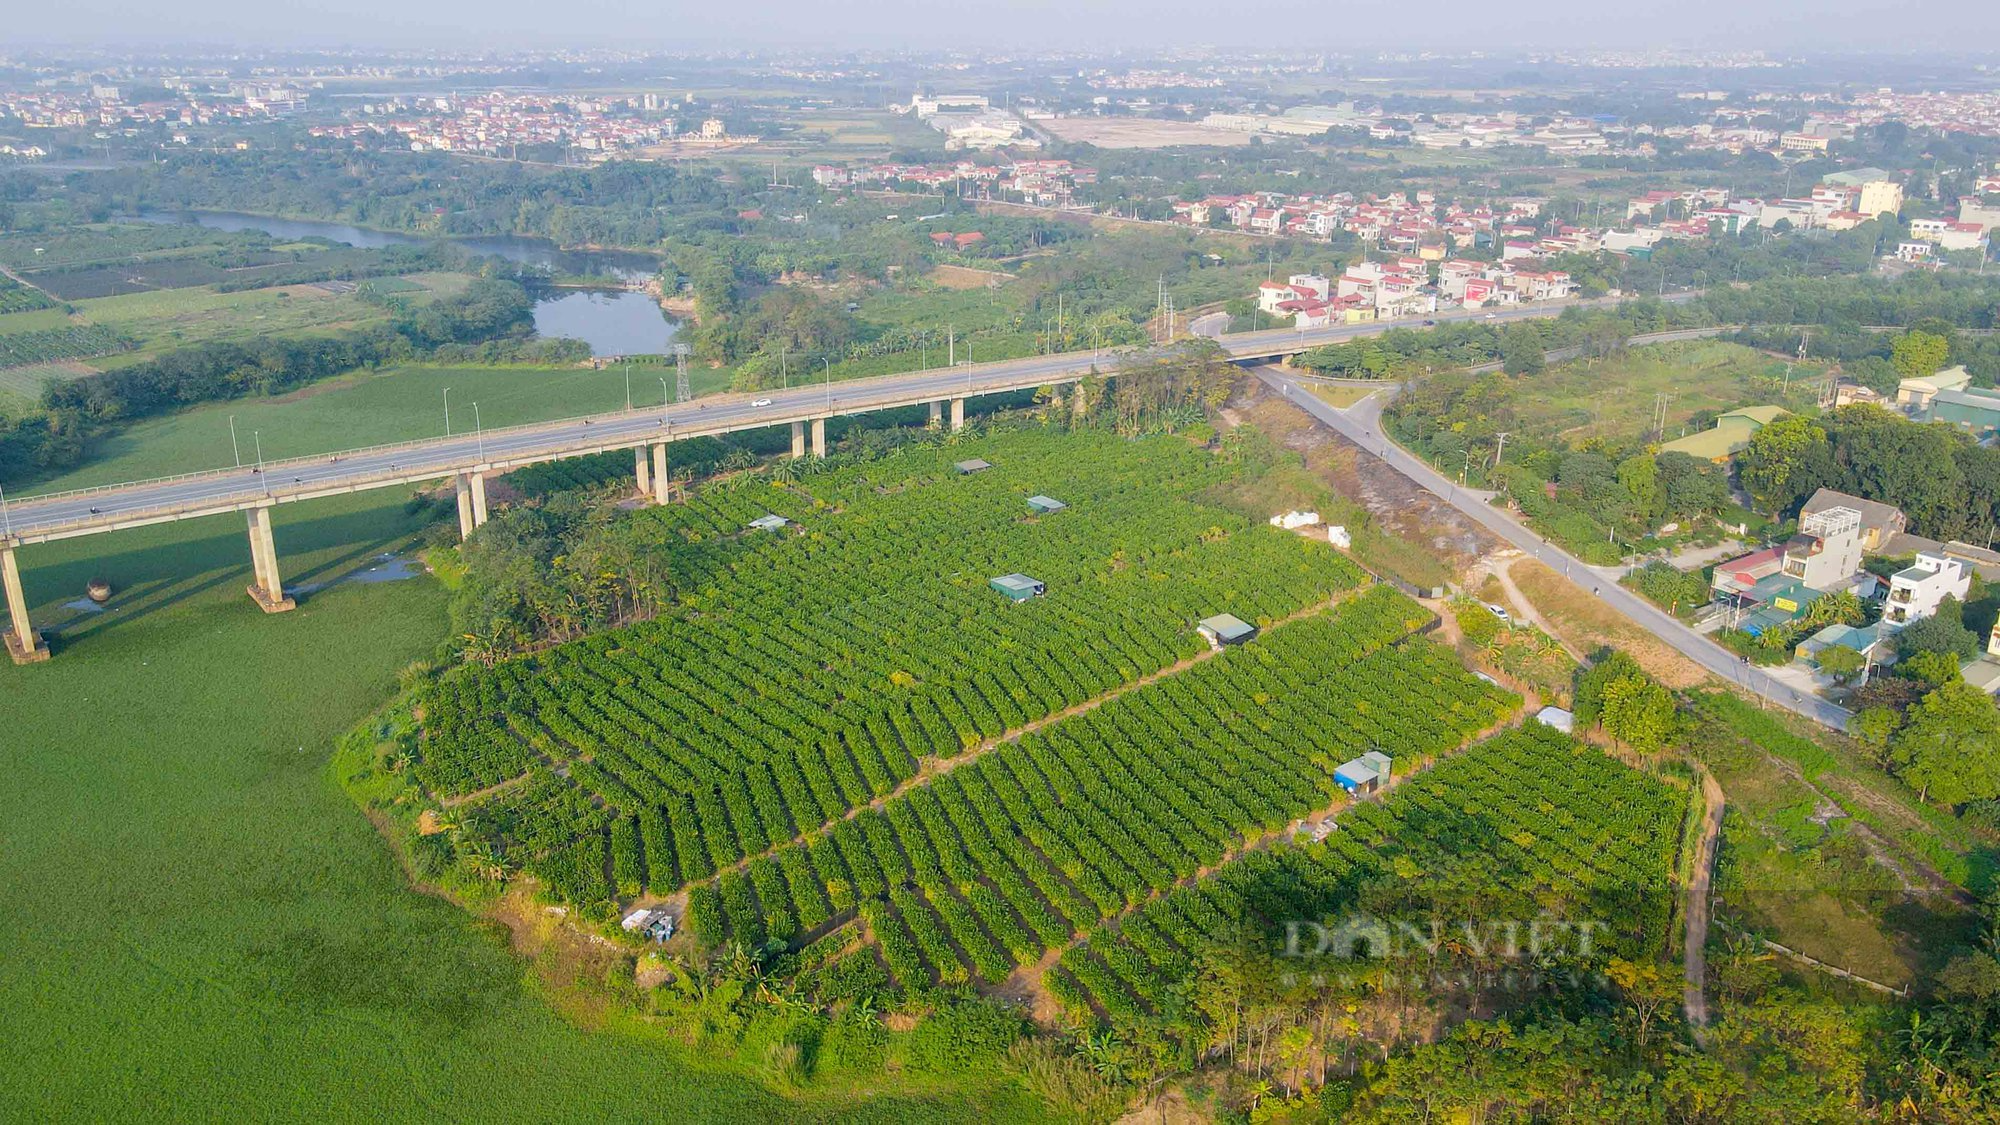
{"x": 75, "y": 412}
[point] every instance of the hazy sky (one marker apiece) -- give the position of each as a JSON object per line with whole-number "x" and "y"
{"x": 1774, "y": 25}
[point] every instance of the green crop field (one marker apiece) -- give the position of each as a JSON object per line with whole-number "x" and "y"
{"x": 216, "y": 930}
{"x": 820, "y": 744}
{"x": 1529, "y": 824}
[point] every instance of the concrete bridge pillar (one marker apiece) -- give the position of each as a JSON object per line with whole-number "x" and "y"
{"x": 957, "y": 414}
{"x": 937, "y": 414}
{"x": 463, "y": 484}
{"x": 798, "y": 440}
{"x": 23, "y": 643}
{"x": 478, "y": 482}
{"x": 642, "y": 470}
{"x": 269, "y": 590}
{"x": 819, "y": 437}
{"x": 660, "y": 480}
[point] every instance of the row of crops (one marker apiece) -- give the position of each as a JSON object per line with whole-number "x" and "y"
{"x": 805, "y": 672}
{"x": 54, "y": 345}
{"x": 1527, "y": 825}
{"x": 984, "y": 869}
{"x": 15, "y": 297}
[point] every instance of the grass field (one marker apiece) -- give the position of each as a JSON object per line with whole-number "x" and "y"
{"x": 36, "y": 320}
{"x": 1342, "y": 397}
{"x": 201, "y": 926}
{"x": 1614, "y": 398}
{"x": 170, "y": 318}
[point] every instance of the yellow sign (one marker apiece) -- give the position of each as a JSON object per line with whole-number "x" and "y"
{"x": 1786, "y": 604}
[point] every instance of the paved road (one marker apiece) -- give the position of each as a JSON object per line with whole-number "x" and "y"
{"x": 110, "y": 508}
{"x": 1362, "y": 425}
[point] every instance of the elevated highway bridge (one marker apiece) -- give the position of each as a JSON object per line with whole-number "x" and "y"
{"x": 470, "y": 459}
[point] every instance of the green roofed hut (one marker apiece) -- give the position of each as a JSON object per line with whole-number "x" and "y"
{"x": 1225, "y": 629}
{"x": 1018, "y": 587}
{"x": 1046, "y": 504}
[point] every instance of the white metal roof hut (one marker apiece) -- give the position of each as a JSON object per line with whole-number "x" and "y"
{"x": 769, "y": 523}
{"x": 1358, "y": 777}
{"x": 1046, "y": 504}
{"x": 1553, "y": 716}
{"x": 1018, "y": 587}
{"x": 1225, "y": 629}
{"x": 972, "y": 466}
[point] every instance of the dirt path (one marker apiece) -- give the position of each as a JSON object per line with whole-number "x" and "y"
{"x": 1694, "y": 955}
{"x": 1501, "y": 567}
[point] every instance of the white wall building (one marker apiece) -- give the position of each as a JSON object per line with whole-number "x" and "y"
{"x": 1916, "y": 590}
{"x": 1827, "y": 549}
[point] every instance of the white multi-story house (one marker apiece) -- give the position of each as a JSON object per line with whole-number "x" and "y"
{"x": 1827, "y": 550}
{"x": 1916, "y": 590}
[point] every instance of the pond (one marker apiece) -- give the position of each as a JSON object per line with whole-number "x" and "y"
{"x": 612, "y": 322}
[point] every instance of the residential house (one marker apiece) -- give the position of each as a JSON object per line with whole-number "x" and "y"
{"x": 1916, "y": 590}
{"x": 1879, "y": 521}
{"x": 1826, "y": 553}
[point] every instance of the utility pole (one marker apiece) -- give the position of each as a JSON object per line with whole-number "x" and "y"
{"x": 682, "y": 393}
{"x": 234, "y": 453}
{"x": 1500, "y": 449}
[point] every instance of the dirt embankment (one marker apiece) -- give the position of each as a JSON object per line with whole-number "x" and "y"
{"x": 1396, "y": 504}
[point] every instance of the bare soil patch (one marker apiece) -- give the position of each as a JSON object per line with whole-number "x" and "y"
{"x": 1586, "y": 624}
{"x": 965, "y": 277}
{"x": 1396, "y": 504}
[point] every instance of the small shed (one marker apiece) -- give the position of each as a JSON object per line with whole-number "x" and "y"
{"x": 1378, "y": 761}
{"x": 1046, "y": 504}
{"x": 972, "y": 466}
{"x": 1358, "y": 777}
{"x": 769, "y": 523}
{"x": 658, "y": 925}
{"x": 1225, "y": 629}
{"x": 1553, "y": 716}
{"x": 1018, "y": 587}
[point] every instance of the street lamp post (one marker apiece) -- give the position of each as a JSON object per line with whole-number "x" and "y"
{"x": 828, "y": 364}
{"x": 234, "y": 452}
{"x": 479, "y": 428}
{"x": 447, "y": 412}
{"x": 628, "y": 384}
{"x": 6, "y": 521}
{"x": 257, "y": 436}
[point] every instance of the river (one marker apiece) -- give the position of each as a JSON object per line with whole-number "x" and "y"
{"x": 612, "y": 322}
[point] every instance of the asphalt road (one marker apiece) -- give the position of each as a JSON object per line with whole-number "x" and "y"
{"x": 1362, "y": 425}
{"x": 109, "y": 508}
